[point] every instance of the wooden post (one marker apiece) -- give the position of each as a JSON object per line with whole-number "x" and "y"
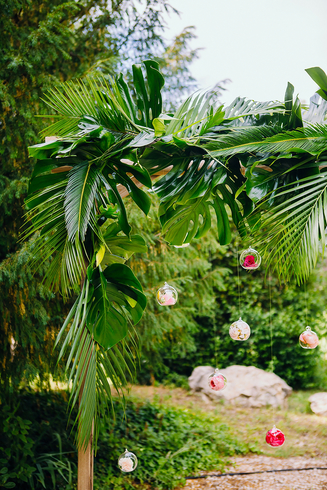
{"x": 85, "y": 466}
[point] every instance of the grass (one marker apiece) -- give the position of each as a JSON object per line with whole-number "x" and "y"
{"x": 305, "y": 432}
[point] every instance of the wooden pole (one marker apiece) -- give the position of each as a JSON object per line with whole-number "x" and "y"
{"x": 85, "y": 466}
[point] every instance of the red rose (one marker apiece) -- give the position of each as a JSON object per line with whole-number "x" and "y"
{"x": 217, "y": 382}
{"x": 249, "y": 261}
{"x": 275, "y": 437}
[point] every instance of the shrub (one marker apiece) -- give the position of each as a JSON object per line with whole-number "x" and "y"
{"x": 170, "y": 444}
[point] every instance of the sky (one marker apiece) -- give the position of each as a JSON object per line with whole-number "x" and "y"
{"x": 259, "y": 45}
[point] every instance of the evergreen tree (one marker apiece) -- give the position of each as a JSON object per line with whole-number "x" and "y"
{"x": 43, "y": 43}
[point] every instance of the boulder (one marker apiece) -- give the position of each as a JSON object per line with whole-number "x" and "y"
{"x": 319, "y": 403}
{"x": 247, "y": 386}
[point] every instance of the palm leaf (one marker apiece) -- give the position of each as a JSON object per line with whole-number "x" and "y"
{"x": 311, "y": 139}
{"x": 293, "y": 233}
{"x": 80, "y": 193}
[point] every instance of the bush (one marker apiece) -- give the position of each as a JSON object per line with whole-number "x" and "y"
{"x": 36, "y": 451}
{"x": 170, "y": 444}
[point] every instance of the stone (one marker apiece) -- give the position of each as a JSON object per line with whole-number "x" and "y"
{"x": 247, "y": 386}
{"x": 318, "y": 403}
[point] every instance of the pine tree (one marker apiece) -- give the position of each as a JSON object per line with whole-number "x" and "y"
{"x": 43, "y": 43}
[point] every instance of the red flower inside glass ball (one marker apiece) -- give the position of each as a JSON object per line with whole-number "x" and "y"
{"x": 217, "y": 381}
{"x": 275, "y": 437}
{"x": 250, "y": 262}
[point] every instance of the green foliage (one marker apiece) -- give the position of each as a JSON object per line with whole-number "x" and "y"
{"x": 194, "y": 332}
{"x": 30, "y": 319}
{"x": 16, "y": 450}
{"x": 170, "y": 444}
{"x": 35, "y": 450}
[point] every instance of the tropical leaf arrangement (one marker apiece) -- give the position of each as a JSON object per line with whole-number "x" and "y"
{"x": 260, "y": 164}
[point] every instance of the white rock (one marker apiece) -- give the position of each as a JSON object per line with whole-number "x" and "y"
{"x": 247, "y": 386}
{"x": 319, "y": 403}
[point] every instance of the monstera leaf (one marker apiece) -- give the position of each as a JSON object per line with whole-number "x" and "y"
{"x": 195, "y": 184}
{"x": 320, "y": 77}
{"x": 115, "y": 299}
{"x": 121, "y": 248}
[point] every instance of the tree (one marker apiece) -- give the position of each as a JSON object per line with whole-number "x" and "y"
{"x": 43, "y": 44}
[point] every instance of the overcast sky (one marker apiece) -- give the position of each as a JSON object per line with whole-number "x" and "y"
{"x": 259, "y": 44}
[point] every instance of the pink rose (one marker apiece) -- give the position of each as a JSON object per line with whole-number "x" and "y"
{"x": 217, "y": 382}
{"x": 126, "y": 464}
{"x": 249, "y": 261}
{"x": 309, "y": 339}
{"x": 275, "y": 437}
{"x": 169, "y": 299}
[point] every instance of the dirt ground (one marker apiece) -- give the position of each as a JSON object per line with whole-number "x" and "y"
{"x": 292, "y": 480}
{"x": 305, "y": 445}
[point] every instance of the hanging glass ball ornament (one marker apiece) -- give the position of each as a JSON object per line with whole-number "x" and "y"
{"x": 308, "y": 339}
{"x": 239, "y": 330}
{"x": 217, "y": 381}
{"x": 182, "y": 246}
{"x": 167, "y": 295}
{"x": 275, "y": 437}
{"x": 250, "y": 259}
{"x": 127, "y": 461}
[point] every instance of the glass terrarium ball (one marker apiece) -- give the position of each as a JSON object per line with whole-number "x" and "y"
{"x": 239, "y": 330}
{"x": 275, "y": 437}
{"x": 167, "y": 295}
{"x": 217, "y": 381}
{"x": 127, "y": 461}
{"x": 308, "y": 339}
{"x": 250, "y": 259}
{"x": 182, "y": 246}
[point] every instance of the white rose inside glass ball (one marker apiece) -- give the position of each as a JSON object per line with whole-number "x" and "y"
{"x": 127, "y": 461}
{"x": 239, "y": 330}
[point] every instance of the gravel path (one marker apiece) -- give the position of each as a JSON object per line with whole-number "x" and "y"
{"x": 293, "y": 480}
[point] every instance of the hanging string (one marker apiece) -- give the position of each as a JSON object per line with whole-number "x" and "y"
{"x": 306, "y": 303}
{"x": 216, "y": 346}
{"x": 270, "y": 325}
{"x": 239, "y": 285}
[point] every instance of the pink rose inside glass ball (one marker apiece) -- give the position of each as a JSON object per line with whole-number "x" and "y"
{"x": 167, "y": 295}
{"x": 308, "y": 339}
{"x": 217, "y": 381}
{"x": 127, "y": 461}
{"x": 250, "y": 259}
{"x": 275, "y": 437}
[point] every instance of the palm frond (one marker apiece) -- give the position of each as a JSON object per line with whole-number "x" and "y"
{"x": 243, "y": 108}
{"x": 293, "y": 233}
{"x": 106, "y": 102}
{"x": 267, "y": 139}
{"x": 81, "y": 190}
{"x": 189, "y": 116}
